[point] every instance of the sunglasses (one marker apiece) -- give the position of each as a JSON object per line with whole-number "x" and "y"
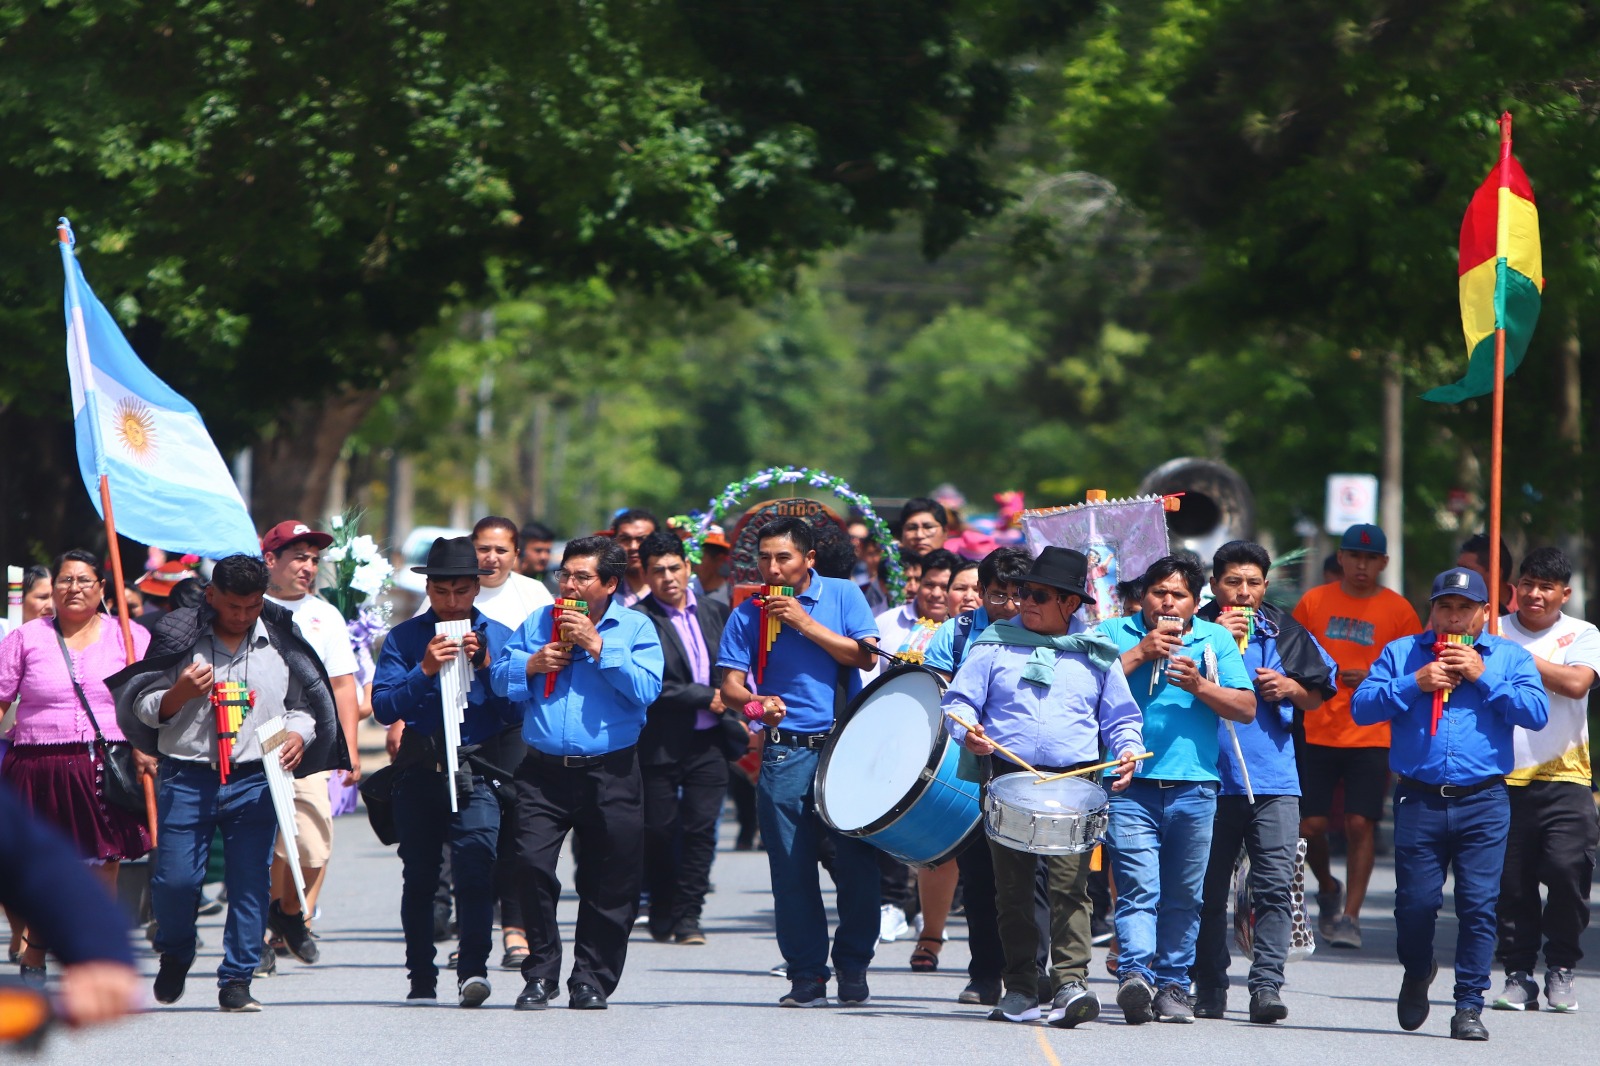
{"x": 1039, "y": 596}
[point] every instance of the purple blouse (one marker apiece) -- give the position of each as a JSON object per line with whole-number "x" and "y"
{"x": 31, "y": 668}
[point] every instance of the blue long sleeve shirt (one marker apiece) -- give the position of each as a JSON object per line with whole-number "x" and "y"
{"x": 1268, "y": 741}
{"x": 598, "y": 706}
{"x": 402, "y": 692}
{"x": 1474, "y": 737}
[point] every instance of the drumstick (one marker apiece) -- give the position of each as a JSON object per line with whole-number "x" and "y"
{"x": 1014, "y": 758}
{"x": 1092, "y": 769}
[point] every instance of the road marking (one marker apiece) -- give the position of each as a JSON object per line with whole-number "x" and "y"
{"x": 1044, "y": 1046}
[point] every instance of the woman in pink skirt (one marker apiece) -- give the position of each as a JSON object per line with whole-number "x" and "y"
{"x": 52, "y": 764}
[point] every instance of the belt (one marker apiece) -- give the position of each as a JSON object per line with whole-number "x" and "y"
{"x": 1000, "y": 766}
{"x": 1451, "y": 791}
{"x": 809, "y": 741}
{"x": 578, "y": 761}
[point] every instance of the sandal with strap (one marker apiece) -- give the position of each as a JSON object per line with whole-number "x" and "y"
{"x": 923, "y": 960}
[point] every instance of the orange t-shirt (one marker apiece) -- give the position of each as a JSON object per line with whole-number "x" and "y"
{"x": 1353, "y": 631}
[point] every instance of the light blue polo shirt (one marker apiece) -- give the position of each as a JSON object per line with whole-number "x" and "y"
{"x": 1178, "y": 728}
{"x": 798, "y": 670}
{"x": 941, "y": 651}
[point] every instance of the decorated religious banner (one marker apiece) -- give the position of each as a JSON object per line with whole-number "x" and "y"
{"x": 1121, "y": 538}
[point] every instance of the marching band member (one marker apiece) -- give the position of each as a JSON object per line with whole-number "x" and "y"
{"x": 407, "y": 688}
{"x": 1450, "y": 808}
{"x": 810, "y": 673}
{"x": 581, "y": 773}
{"x": 1054, "y": 695}
{"x": 1292, "y": 675}
{"x": 1160, "y": 833}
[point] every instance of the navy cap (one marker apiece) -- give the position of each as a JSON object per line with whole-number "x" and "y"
{"x": 1364, "y": 537}
{"x": 1459, "y": 581}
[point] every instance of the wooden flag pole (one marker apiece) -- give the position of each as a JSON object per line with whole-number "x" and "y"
{"x": 1497, "y": 419}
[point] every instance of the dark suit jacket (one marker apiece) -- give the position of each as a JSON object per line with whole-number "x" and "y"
{"x": 669, "y": 722}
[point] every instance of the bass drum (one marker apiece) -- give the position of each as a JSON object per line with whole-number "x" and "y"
{"x": 888, "y": 773}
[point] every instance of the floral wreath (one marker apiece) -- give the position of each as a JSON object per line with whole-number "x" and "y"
{"x": 701, "y": 521}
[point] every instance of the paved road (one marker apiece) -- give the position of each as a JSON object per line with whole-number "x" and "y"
{"x": 716, "y": 1004}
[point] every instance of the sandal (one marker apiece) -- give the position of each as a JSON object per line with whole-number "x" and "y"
{"x": 923, "y": 960}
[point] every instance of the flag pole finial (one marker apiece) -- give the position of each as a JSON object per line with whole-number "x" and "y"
{"x": 1505, "y": 134}
{"x": 64, "y": 232}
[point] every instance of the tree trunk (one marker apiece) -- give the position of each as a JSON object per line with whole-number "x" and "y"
{"x": 294, "y": 464}
{"x": 1392, "y": 488}
{"x": 1569, "y": 431}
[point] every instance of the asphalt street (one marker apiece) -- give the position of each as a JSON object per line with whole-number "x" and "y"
{"x": 717, "y": 1004}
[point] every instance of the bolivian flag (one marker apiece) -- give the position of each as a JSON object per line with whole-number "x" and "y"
{"x": 1502, "y": 275}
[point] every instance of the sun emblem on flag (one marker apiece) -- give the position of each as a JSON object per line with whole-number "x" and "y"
{"x": 135, "y": 427}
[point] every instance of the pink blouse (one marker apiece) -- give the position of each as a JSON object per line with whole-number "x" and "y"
{"x": 31, "y": 668}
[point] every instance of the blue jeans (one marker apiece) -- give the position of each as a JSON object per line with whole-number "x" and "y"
{"x": 786, "y": 808}
{"x": 191, "y": 804}
{"x": 1466, "y": 835}
{"x": 424, "y": 823}
{"x": 1160, "y": 842}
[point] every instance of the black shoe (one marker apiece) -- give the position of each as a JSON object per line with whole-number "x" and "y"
{"x": 268, "y": 966}
{"x": 805, "y": 994}
{"x": 1468, "y": 1025}
{"x": 296, "y": 937}
{"x": 586, "y": 997}
{"x": 1412, "y": 1004}
{"x": 472, "y": 991}
{"x": 1266, "y": 1006}
{"x": 689, "y": 933}
{"x": 170, "y": 979}
{"x": 984, "y": 992}
{"x": 235, "y": 998}
{"x": 537, "y": 994}
{"x": 422, "y": 994}
{"x": 852, "y": 989}
{"x": 1172, "y": 1005}
{"x": 1073, "y": 1005}
{"x": 1135, "y": 997}
{"x": 1211, "y": 1003}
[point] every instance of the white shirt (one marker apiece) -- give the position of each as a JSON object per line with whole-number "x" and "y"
{"x": 323, "y": 627}
{"x": 1559, "y": 751}
{"x": 513, "y": 601}
{"x": 896, "y": 626}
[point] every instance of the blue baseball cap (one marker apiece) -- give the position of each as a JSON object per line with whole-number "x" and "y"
{"x": 1459, "y": 581}
{"x": 1364, "y": 537}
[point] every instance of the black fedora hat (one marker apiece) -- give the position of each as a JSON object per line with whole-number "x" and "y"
{"x": 451, "y": 557}
{"x": 1061, "y": 568}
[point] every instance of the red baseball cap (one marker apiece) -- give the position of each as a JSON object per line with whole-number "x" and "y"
{"x": 284, "y": 534}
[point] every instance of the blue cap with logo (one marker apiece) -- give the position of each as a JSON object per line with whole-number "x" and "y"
{"x": 1459, "y": 581}
{"x": 1364, "y": 537}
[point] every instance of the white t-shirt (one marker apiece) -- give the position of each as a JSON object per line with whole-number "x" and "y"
{"x": 1559, "y": 751}
{"x": 323, "y": 627}
{"x": 509, "y": 603}
{"x": 900, "y": 632}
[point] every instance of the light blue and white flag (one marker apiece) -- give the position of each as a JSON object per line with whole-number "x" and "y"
{"x": 168, "y": 484}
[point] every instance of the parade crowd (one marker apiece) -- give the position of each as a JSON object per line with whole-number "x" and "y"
{"x": 621, "y": 697}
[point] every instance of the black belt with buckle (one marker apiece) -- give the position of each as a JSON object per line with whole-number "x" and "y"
{"x": 1451, "y": 791}
{"x": 809, "y": 741}
{"x": 578, "y": 761}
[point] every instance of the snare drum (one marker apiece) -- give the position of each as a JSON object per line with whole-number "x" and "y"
{"x": 1064, "y": 817}
{"x": 888, "y": 773}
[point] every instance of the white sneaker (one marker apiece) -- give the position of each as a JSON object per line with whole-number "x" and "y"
{"x": 893, "y": 924}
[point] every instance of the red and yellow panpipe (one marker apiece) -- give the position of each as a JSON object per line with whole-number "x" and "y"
{"x": 1249, "y": 615}
{"x": 561, "y": 605}
{"x": 1441, "y": 696}
{"x": 769, "y": 625}
{"x": 232, "y": 702}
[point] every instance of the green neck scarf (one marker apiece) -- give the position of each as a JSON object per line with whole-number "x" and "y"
{"x": 1041, "y": 667}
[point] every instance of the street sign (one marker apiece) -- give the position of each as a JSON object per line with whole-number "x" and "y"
{"x": 1352, "y": 500}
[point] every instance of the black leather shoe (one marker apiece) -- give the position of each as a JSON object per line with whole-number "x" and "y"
{"x": 537, "y": 994}
{"x": 1468, "y": 1025}
{"x": 1411, "y": 1007}
{"x": 1211, "y": 1003}
{"x": 170, "y": 979}
{"x": 1266, "y": 1006}
{"x": 292, "y": 927}
{"x": 586, "y": 997}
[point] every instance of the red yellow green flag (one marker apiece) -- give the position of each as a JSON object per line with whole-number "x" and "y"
{"x": 1501, "y": 276}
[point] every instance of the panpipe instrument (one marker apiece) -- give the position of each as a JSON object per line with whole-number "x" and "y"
{"x": 1169, "y": 623}
{"x": 455, "y": 681}
{"x": 769, "y": 625}
{"x": 280, "y": 785}
{"x": 14, "y": 596}
{"x": 561, "y": 606}
{"x": 232, "y": 703}
{"x": 1249, "y": 616}
{"x": 1441, "y": 696}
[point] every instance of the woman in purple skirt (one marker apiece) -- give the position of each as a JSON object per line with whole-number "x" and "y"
{"x": 52, "y": 763}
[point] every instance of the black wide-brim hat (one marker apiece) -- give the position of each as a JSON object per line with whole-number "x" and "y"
{"x": 1064, "y": 569}
{"x": 451, "y": 557}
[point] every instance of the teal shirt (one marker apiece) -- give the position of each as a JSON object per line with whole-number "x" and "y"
{"x": 1178, "y": 728}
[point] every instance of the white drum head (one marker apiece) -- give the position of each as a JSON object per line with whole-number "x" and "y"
{"x": 881, "y": 751}
{"x": 1066, "y": 796}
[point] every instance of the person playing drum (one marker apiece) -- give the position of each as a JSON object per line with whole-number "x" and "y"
{"x": 1053, "y": 695}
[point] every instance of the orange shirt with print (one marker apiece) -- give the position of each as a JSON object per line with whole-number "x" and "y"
{"x": 1353, "y": 630}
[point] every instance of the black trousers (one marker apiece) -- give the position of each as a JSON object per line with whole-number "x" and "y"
{"x": 602, "y": 806}
{"x": 681, "y": 803}
{"x": 506, "y": 752}
{"x": 743, "y": 794}
{"x": 1552, "y": 842}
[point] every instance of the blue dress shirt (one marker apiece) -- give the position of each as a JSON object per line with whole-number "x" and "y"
{"x": 941, "y": 650}
{"x": 799, "y": 670}
{"x": 1267, "y": 742}
{"x": 1474, "y": 738}
{"x": 402, "y": 692}
{"x": 597, "y": 707}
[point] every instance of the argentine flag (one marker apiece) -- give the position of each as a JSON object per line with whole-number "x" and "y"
{"x": 169, "y": 487}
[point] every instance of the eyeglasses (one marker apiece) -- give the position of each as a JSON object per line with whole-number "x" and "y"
{"x": 926, "y": 527}
{"x": 1000, "y": 599}
{"x": 577, "y": 578}
{"x": 77, "y": 582}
